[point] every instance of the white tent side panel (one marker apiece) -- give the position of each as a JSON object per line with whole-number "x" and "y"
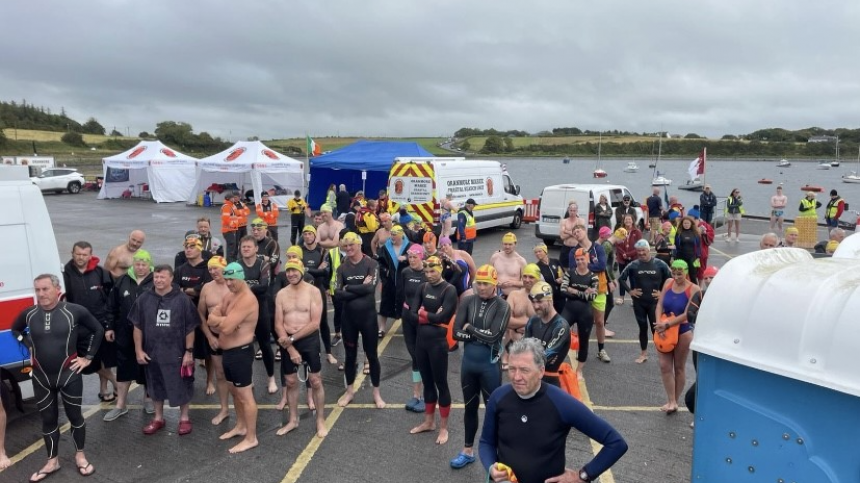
{"x": 171, "y": 184}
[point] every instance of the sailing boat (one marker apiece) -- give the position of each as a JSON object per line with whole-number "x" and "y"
{"x": 835, "y": 162}
{"x": 598, "y": 172}
{"x": 697, "y": 173}
{"x": 658, "y": 179}
{"x": 854, "y": 176}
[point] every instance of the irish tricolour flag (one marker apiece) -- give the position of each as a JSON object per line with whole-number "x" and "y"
{"x": 314, "y": 149}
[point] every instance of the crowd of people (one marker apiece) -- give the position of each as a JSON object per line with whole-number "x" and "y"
{"x": 226, "y": 303}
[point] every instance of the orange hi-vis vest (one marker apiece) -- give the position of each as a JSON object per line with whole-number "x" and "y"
{"x": 269, "y": 213}
{"x": 232, "y": 218}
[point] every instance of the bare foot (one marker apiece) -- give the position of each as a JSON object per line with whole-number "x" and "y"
{"x": 210, "y": 389}
{"x": 220, "y": 417}
{"x": 233, "y": 433}
{"x": 311, "y": 405}
{"x": 443, "y": 436}
{"x": 380, "y": 404}
{"x": 288, "y": 427}
{"x": 244, "y": 445}
{"x": 423, "y": 428}
{"x": 322, "y": 431}
{"x": 331, "y": 359}
{"x": 641, "y": 359}
{"x": 282, "y": 404}
{"x": 610, "y": 334}
{"x": 5, "y": 462}
{"x": 669, "y": 408}
{"x": 273, "y": 386}
{"x": 345, "y": 399}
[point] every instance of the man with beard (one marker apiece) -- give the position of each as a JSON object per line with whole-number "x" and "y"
{"x": 267, "y": 247}
{"x": 119, "y": 259}
{"x": 550, "y": 329}
{"x": 191, "y": 276}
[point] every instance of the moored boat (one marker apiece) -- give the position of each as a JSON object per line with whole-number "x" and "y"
{"x": 631, "y": 167}
{"x": 783, "y": 163}
{"x": 813, "y": 188}
{"x": 765, "y": 181}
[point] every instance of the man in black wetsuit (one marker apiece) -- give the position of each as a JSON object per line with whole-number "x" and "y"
{"x": 644, "y": 279}
{"x": 355, "y": 287}
{"x": 550, "y": 329}
{"x": 527, "y": 423}
{"x": 50, "y": 331}
{"x": 257, "y": 276}
{"x": 409, "y": 283}
{"x": 481, "y": 322}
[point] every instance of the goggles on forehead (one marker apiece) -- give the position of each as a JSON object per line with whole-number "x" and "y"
{"x": 259, "y": 225}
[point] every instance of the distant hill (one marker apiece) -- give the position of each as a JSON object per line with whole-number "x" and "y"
{"x": 28, "y": 116}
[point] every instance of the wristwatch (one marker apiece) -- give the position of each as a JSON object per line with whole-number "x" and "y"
{"x": 583, "y": 475}
{"x": 291, "y": 339}
{"x": 189, "y": 350}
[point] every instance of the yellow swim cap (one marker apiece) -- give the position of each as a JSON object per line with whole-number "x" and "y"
{"x": 397, "y": 230}
{"x": 294, "y": 264}
{"x": 295, "y": 250}
{"x": 309, "y": 229}
{"x": 509, "y": 238}
{"x": 352, "y": 238}
{"x": 433, "y": 263}
{"x": 792, "y": 231}
{"x": 540, "y": 291}
{"x": 542, "y": 247}
{"x": 621, "y": 233}
{"x": 487, "y": 274}
{"x": 217, "y": 261}
{"x": 532, "y": 270}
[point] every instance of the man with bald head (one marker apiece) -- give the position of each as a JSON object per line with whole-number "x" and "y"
{"x": 120, "y": 259}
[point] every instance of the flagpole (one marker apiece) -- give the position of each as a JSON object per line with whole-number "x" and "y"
{"x": 704, "y": 166}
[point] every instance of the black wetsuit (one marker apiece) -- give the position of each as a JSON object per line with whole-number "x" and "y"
{"x": 120, "y": 300}
{"x": 577, "y": 310}
{"x": 359, "y": 315}
{"x": 90, "y": 290}
{"x": 408, "y": 286}
{"x": 480, "y": 373}
{"x": 390, "y": 267}
{"x": 315, "y": 276}
{"x": 337, "y": 320}
{"x": 555, "y": 338}
{"x": 551, "y": 271}
{"x": 431, "y": 345}
{"x": 52, "y": 337}
{"x": 194, "y": 277}
{"x": 257, "y": 276}
{"x": 269, "y": 247}
{"x": 648, "y": 276}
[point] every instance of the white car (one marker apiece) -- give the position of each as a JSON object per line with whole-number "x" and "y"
{"x": 59, "y": 180}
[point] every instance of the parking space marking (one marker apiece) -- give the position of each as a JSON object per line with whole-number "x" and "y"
{"x": 606, "y": 477}
{"x": 41, "y": 443}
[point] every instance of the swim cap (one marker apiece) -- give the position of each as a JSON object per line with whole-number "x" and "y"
{"x": 434, "y": 263}
{"x": 325, "y": 208}
{"x": 680, "y": 264}
{"x": 710, "y": 272}
{"x": 580, "y": 253}
{"x": 540, "y": 291}
{"x": 234, "y": 271}
{"x": 642, "y": 244}
{"x": 621, "y": 233}
{"x": 352, "y": 238}
{"x": 542, "y": 247}
{"x": 193, "y": 242}
{"x": 217, "y": 261}
{"x": 444, "y": 241}
{"x": 259, "y": 223}
{"x": 296, "y": 250}
{"x": 142, "y": 255}
{"x": 487, "y": 274}
{"x": 509, "y": 238}
{"x": 416, "y": 249}
{"x": 397, "y": 230}
{"x": 532, "y": 270}
{"x": 295, "y": 264}
{"x": 604, "y": 232}
{"x": 831, "y": 247}
{"x": 309, "y": 229}
{"x": 792, "y": 231}
{"x": 429, "y": 237}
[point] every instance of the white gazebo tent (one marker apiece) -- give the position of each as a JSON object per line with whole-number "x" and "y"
{"x": 248, "y": 165}
{"x": 149, "y": 169}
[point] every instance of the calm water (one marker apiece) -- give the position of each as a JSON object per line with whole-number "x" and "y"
{"x": 532, "y": 174}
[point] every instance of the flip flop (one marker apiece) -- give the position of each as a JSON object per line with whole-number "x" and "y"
{"x": 82, "y": 469}
{"x": 340, "y": 366}
{"x": 366, "y": 369}
{"x": 43, "y": 475}
{"x": 108, "y": 398}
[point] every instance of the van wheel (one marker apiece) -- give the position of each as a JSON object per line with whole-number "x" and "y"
{"x": 518, "y": 220}
{"x": 74, "y": 187}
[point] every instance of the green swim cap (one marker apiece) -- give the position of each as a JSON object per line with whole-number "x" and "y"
{"x": 680, "y": 264}
{"x": 234, "y": 271}
{"x": 142, "y": 255}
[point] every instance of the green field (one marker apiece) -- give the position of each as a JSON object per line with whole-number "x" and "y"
{"x": 332, "y": 143}
{"x": 476, "y": 143}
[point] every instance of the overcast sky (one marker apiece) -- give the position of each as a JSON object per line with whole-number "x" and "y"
{"x": 404, "y": 68}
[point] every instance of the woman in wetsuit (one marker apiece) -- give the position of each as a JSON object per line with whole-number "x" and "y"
{"x": 408, "y": 284}
{"x": 433, "y": 308}
{"x": 688, "y": 245}
{"x": 482, "y": 320}
{"x": 50, "y": 332}
{"x": 580, "y": 286}
{"x": 673, "y": 301}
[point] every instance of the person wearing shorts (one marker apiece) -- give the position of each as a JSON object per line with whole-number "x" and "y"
{"x": 778, "y": 202}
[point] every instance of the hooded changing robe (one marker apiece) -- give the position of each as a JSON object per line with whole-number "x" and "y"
{"x": 165, "y": 321}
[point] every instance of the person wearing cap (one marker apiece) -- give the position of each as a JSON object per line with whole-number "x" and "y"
{"x": 580, "y": 287}
{"x": 391, "y": 260}
{"x": 708, "y": 275}
{"x": 382, "y": 234}
{"x": 482, "y": 319}
{"x": 834, "y": 209}
{"x": 807, "y": 221}
{"x": 164, "y": 322}
{"x": 665, "y": 245}
{"x": 597, "y": 266}
{"x": 552, "y": 273}
{"x": 298, "y": 208}
{"x": 328, "y": 233}
{"x": 625, "y": 249}
{"x": 467, "y": 230}
{"x": 234, "y": 320}
{"x": 521, "y": 307}
{"x": 298, "y": 310}
{"x": 655, "y": 212}
{"x": 644, "y": 278}
{"x": 433, "y": 307}
{"x": 565, "y": 232}
{"x": 212, "y": 295}
{"x": 778, "y": 202}
{"x": 675, "y": 205}
{"x": 258, "y": 277}
{"x": 120, "y": 259}
{"x": 234, "y": 220}
{"x": 267, "y": 247}
{"x": 707, "y": 203}
{"x": 836, "y": 236}
{"x": 734, "y": 213}
{"x": 125, "y": 291}
{"x": 190, "y": 277}
{"x": 550, "y": 328}
{"x": 602, "y": 213}
{"x": 791, "y": 234}
{"x": 688, "y": 246}
{"x": 409, "y": 283}
{"x": 268, "y": 212}
{"x": 355, "y": 287}
{"x": 673, "y": 301}
{"x": 430, "y": 243}
{"x": 459, "y": 266}
{"x": 625, "y": 208}
{"x": 316, "y": 274}
{"x": 509, "y": 265}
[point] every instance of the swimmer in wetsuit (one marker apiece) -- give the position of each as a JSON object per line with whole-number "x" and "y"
{"x": 481, "y": 322}
{"x": 50, "y": 331}
{"x": 580, "y": 285}
{"x": 409, "y": 282}
{"x": 550, "y": 328}
{"x": 644, "y": 279}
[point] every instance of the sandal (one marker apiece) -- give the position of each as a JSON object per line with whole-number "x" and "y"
{"x": 278, "y": 356}
{"x": 82, "y": 469}
{"x": 107, "y": 398}
{"x": 340, "y": 366}
{"x": 366, "y": 369}
{"x": 43, "y": 475}
{"x": 258, "y": 355}
{"x": 381, "y": 334}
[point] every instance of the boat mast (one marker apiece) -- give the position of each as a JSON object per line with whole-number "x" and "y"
{"x": 659, "y": 150}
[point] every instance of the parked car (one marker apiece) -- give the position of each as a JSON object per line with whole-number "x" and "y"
{"x": 59, "y": 180}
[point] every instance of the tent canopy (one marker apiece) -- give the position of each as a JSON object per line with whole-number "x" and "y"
{"x": 345, "y": 166}
{"x": 168, "y": 174}
{"x": 249, "y": 165}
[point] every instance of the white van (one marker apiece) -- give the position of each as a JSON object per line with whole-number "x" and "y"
{"x": 552, "y": 207}
{"x": 422, "y": 184}
{"x": 30, "y": 249}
